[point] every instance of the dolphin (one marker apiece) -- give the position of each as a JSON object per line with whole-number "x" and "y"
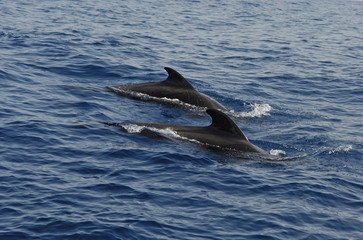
{"x": 174, "y": 87}
{"x": 223, "y": 132}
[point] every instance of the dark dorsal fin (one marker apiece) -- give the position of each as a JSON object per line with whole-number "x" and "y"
{"x": 175, "y": 79}
{"x": 224, "y": 123}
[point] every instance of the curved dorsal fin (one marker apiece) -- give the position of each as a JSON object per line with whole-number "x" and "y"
{"x": 224, "y": 123}
{"x": 175, "y": 79}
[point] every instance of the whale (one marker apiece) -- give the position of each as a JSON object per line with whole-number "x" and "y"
{"x": 172, "y": 88}
{"x": 223, "y": 132}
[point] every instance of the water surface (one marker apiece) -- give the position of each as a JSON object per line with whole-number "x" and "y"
{"x": 289, "y": 72}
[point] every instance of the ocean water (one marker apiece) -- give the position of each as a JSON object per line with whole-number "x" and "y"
{"x": 289, "y": 72}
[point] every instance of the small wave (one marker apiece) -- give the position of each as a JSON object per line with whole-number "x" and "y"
{"x": 133, "y": 128}
{"x": 342, "y": 148}
{"x": 167, "y": 132}
{"x": 257, "y": 110}
{"x": 163, "y": 100}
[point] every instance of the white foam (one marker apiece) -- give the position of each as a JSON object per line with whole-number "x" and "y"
{"x": 342, "y": 148}
{"x": 168, "y": 132}
{"x": 178, "y": 102}
{"x": 132, "y": 128}
{"x": 277, "y": 152}
{"x": 257, "y": 110}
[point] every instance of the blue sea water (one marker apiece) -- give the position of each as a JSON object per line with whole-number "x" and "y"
{"x": 290, "y": 73}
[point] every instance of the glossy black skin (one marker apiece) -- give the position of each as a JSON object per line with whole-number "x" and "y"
{"x": 174, "y": 87}
{"x": 209, "y": 135}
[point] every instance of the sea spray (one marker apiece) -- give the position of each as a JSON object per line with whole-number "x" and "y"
{"x": 257, "y": 110}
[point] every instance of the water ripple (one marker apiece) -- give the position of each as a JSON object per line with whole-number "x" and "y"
{"x": 289, "y": 71}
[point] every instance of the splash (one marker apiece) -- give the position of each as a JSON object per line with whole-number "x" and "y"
{"x": 277, "y": 152}
{"x": 257, "y": 110}
{"x": 341, "y": 148}
{"x": 132, "y": 128}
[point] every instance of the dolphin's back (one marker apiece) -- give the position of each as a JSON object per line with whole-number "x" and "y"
{"x": 174, "y": 87}
{"x": 222, "y": 132}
